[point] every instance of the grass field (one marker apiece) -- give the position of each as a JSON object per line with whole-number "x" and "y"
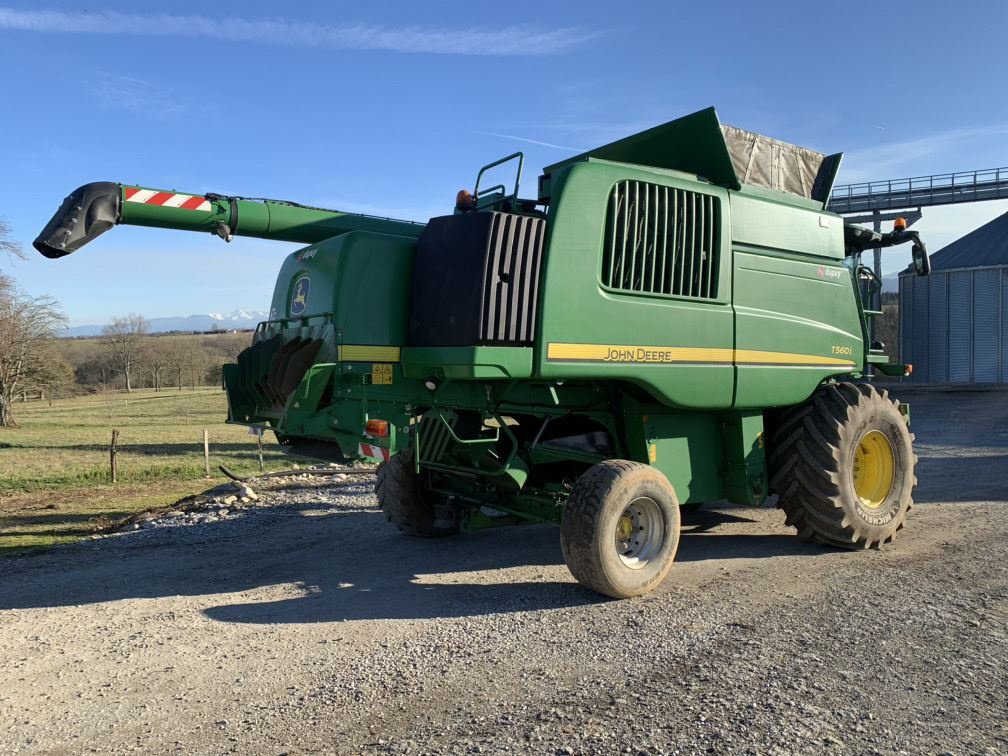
{"x": 55, "y": 484}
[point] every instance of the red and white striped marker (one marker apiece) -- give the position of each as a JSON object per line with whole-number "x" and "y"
{"x": 167, "y": 199}
{"x": 375, "y": 452}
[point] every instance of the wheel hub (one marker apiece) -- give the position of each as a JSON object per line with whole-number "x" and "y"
{"x": 640, "y": 532}
{"x": 874, "y": 469}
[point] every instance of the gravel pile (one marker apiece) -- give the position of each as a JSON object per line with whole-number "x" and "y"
{"x": 236, "y": 498}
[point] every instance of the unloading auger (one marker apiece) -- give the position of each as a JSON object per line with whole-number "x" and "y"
{"x": 93, "y": 209}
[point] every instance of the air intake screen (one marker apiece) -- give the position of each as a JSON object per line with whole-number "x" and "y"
{"x": 661, "y": 240}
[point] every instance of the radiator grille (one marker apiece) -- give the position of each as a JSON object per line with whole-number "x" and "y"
{"x": 511, "y": 283}
{"x": 661, "y": 240}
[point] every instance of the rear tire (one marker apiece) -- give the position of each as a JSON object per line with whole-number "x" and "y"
{"x": 843, "y": 466}
{"x": 620, "y": 528}
{"x": 403, "y": 501}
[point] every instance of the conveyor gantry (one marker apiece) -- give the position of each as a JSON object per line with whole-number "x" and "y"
{"x": 920, "y": 191}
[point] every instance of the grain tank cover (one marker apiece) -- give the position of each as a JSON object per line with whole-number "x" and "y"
{"x": 725, "y": 155}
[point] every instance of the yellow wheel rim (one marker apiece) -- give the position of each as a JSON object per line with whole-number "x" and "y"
{"x": 624, "y": 528}
{"x": 874, "y": 469}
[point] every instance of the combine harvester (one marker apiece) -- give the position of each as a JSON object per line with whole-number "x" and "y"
{"x": 674, "y": 319}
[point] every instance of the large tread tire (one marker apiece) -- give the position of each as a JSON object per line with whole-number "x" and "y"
{"x": 401, "y": 501}
{"x": 589, "y": 525}
{"x": 811, "y": 454}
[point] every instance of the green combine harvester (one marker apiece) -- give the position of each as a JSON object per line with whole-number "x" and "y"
{"x": 674, "y": 319}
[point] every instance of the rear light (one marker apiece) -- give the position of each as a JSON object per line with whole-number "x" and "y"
{"x": 908, "y": 370}
{"x": 377, "y": 428}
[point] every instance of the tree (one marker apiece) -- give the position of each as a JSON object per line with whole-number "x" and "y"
{"x": 27, "y": 362}
{"x": 95, "y": 370}
{"x": 7, "y": 245}
{"x": 55, "y": 375}
{"x": 198, "y": 363}
{"x": 156, "y": 357}
{"x": 124, "y": 337}
{"x": 177, "y": 353}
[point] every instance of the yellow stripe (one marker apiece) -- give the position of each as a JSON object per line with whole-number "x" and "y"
{"x": 751, "y": 355}
{"x": 360, "y": 353}
{"x": 665, "y": 355}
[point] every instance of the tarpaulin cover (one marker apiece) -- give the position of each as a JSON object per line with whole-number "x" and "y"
{"x": 723, "y": 155}
{"x": 766, "y": 162}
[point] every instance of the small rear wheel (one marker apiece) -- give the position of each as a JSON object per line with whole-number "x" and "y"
{"x": 404, "y": 501}
{"x": 620, "y": 528}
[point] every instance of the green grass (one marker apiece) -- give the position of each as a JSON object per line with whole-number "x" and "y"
{"x": 55, "y": 484}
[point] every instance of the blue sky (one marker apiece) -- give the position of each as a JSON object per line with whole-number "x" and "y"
{"x": 390, "y": 108}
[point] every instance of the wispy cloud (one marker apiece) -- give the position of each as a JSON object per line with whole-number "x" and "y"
{"x": 135, "y": 95}
{"x": 507, "y": 40}
{"x": 530, "y": 141}
{"x": 903, "y": 158}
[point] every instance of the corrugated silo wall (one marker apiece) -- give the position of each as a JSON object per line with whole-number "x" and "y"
{"x": 986, "y": 325}
{"x": 960, "y": 310}
{"x": 954, "y": 326}
{"x": 919, "y": 330}
{"x": 937, "y": 284}
{"x": 1004, "y": 324}
{"x": 906, "y": 284}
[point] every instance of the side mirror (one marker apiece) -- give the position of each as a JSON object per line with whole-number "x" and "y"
{"x": 921, "y": 261}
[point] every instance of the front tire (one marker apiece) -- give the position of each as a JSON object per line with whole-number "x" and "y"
{"x": 843, "y": 466}
{"x": 620, "y": 528}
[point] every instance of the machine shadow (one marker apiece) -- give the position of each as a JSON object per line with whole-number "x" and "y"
{"x": 323, "y": 564}
{"x": 419, "y": 585}
{"x": 313, "y": 563}
{"x": 703, "y": 538}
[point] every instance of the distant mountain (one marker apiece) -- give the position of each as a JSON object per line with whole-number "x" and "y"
{"x": 236, "y": 320}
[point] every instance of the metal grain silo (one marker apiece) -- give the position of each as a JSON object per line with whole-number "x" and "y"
{"x": 954, "y": 323}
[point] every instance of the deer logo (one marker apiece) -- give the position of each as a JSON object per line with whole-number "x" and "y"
{"x": 299, "y": 300}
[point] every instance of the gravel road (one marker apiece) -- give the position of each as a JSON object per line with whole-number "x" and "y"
{"x": 302, "y": 623}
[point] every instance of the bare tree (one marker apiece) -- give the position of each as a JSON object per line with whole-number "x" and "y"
{"x": 27, "y": 327}
{"x": 198, "y": 363}
{"x": 7, "y": 245}
{"x": 177, "y": 353}
{"x": 124, "y": 337}
{"x": 156, "y": 357}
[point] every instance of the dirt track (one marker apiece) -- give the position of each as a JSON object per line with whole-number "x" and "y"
{"x": 309, "y": 626}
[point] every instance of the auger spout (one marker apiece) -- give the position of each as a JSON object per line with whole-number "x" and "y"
{"x": 93, "y": 209}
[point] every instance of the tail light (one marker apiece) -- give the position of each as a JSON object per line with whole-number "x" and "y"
{"x": 377, "y": 428}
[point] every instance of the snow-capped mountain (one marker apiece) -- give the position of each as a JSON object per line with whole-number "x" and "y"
{"x": 237, "y": 320}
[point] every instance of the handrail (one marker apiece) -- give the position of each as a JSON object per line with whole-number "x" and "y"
{"x": 521, "y": 162}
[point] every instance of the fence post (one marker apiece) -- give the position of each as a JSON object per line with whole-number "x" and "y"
{"x": 206, "y": 451}
{"x": 113, "y": 448}
{"x": 259, "y": 439}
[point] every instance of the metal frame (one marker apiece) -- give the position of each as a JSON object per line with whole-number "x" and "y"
{"x": 920, "y": 191}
